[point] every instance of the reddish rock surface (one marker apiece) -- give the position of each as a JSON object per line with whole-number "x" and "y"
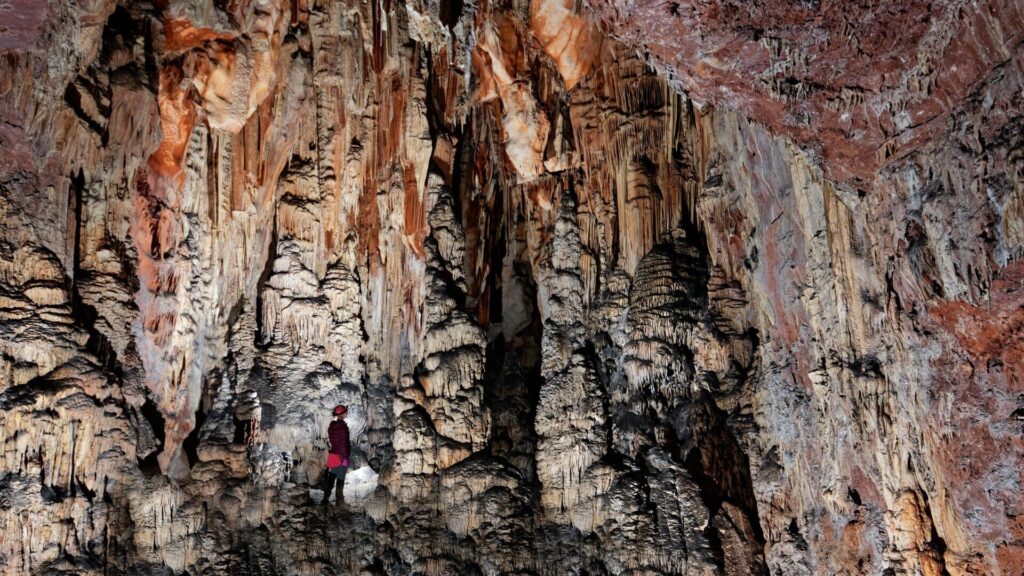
{"x": 862, "y": 84}
{"x": 978, "y": 437}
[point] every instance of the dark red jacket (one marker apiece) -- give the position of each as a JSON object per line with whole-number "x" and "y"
{"x": 337, "y": 433}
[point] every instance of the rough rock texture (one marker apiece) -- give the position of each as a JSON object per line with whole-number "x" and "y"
{"x": 609, "y": 287}
{"x": 860, "y": 84}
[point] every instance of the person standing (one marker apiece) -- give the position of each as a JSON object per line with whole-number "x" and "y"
{"x": 337, "y": 455}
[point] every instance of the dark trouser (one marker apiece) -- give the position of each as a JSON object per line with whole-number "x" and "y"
{"x": 331, "y": 477}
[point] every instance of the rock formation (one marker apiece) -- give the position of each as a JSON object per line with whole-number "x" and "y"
{"x": 645, "y": 287}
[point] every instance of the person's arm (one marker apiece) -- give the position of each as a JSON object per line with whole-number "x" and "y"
{"x": 343, "y": 448}
{"x": 332, "y": 439}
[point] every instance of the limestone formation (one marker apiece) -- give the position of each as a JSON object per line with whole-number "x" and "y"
{"x": 641, "y": 288}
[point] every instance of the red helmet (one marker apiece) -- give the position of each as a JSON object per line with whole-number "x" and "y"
{"x": 340, "y": 409}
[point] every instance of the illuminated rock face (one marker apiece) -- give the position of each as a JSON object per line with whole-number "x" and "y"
{"x": 583, "y": 323}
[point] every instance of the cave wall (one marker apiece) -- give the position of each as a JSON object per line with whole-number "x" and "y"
{"x": 594, "y": 311}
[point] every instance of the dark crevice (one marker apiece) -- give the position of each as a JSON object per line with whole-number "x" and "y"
{"x": 241, "y": 430}
{"x": 512, "y": 377}
{"x": 434, "y": 103}
{"x": 450, "y": 12}
{"x": 710, "y": 489}
{"x": 268, "y": 271}
{"x": 854, "y": 496}
{"x": 73, "y": 97}
{"x": 191, "y": 443}
{"x": 150, "y": 464}
{"x": 936, "y": 543}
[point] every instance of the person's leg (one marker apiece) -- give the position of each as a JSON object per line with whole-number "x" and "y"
{"x": 340, "y": 472}
{"x": 327, "y": 484}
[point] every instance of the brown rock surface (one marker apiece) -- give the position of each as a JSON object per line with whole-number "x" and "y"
{"x": 609, "y": 287}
